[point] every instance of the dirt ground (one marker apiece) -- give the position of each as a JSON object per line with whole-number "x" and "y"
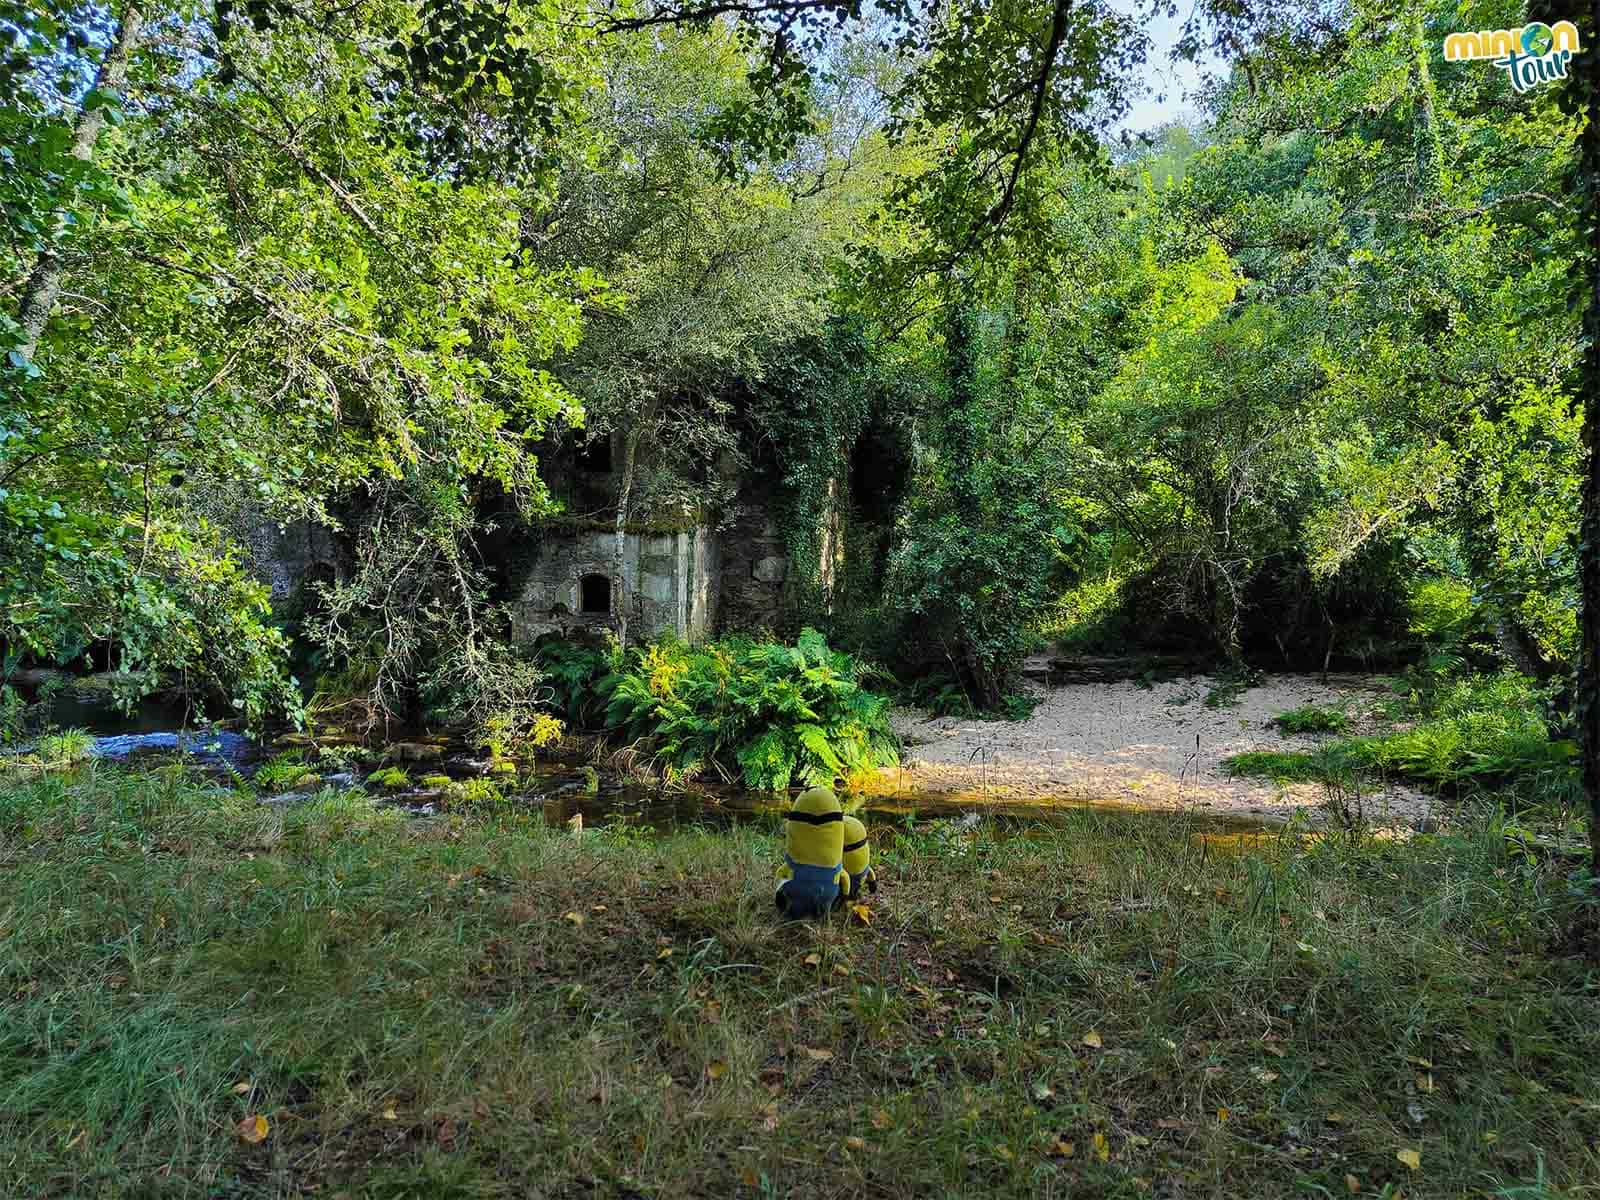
{"x": 1151, "y": 747}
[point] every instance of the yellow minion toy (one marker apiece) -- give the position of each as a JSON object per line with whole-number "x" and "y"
{"x": 857, "y": 858}
{"x": 813, "y": 871}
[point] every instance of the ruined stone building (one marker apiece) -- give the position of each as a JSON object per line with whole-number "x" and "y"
{"x": 681, "y": 575}
{"x": 697, "y": 574}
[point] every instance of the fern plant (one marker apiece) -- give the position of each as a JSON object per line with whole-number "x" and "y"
{"x": 771, "y": 715}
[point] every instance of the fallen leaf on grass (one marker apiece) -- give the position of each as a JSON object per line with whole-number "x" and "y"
{"x": 840, "y": 969}
{"x": 241, "y": 1087}
{"x": 1264, "y": 1076}
{"x": 882, "y": 1120}
{"x": 813, "y": 960}
{"x": 1352, "y": 1185}
{"x": 1102, "y": 1150}
{"x": 664, "y": 953}
{"x": 861, "y": 913}
{"x": 1411, "y": 1158}
{"x": 855, "y": 1143}
{"x": 252, "y": 1129}
{"x": 1222, "y": 1114}
{"x": 749, "y": 1178}
{"x": 389, "y": 1114}
{"x": 1064, "y": 1149}
{"x": 574, "y": 918}
{"x": 1092, "y": 1040}
{"x": 716, "y": 1069}
{"x": 1042, "y": 1091}
{"x": 817, "y": 1055}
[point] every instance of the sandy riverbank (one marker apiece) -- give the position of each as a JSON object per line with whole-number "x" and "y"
{"x": 1156, "y": 747}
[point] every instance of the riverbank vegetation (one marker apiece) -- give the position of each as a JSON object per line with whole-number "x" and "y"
{"x": 418, "y": 384}
{"x": 1287, "y": 384}
{"x": 205, "y": 994}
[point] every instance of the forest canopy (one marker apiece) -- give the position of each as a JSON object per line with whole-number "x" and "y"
{"x": 1292, "y": 381}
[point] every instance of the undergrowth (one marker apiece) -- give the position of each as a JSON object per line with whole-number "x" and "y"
{"x": 766, "y": 713}
{"x": 477, "y": 1006}
{"x": 1489, "y": 732}
{"x": 1313, "y": 718}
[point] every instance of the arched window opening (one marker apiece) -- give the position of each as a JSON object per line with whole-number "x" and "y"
{"x": 594, "y": 594}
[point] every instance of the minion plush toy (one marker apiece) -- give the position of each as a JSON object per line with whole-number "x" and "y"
{"x": 857, "y": 858}
{"x": 813, "y": 871}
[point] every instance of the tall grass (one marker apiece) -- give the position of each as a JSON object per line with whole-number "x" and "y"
{"x": 478, "y": 1006}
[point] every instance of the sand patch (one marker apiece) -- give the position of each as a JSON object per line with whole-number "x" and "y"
{"x": 1155, "y": 747}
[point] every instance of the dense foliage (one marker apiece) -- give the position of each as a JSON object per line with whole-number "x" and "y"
{"x": 1268, "y": 384}
{"x": 767, "y": 714}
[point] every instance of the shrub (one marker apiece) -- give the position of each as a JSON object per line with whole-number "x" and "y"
{"x": 1485, "y": 730}
{"x": 582, "y": 678}
{"x": 282, "y": 771}
{"x": 389, "y": 777}
{"x": 1312, "y": 718}
{"x": 770, "y": 714}
{"x": 68, "y": 746}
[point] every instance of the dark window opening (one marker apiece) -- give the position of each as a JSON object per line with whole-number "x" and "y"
{"x": 595, "y": 456}
{"x": 594, "y": 594}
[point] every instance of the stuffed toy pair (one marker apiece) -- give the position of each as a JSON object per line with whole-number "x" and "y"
{"x": 826, "y": 858}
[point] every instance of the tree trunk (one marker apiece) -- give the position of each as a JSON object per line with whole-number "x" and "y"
{"x": 44, "y": 285}
{"x": 1586, "y": 77}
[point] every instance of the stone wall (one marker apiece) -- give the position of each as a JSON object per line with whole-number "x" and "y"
{"x": 753, "y": 567}
{"x": 286, "y": 556}
{"x": 668, "y": 584}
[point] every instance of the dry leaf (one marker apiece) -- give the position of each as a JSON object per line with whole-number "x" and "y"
{"x": 389, "y": 1114}
{"x": 1334, "y": 1118}
{"x": 1425, "y": 1083}
{"x": 1003, "y": 1151}
{"x": 813, "y": 960}
{"x": 1352, "y": 1185}
{"x": 882, "y": 1120}
{"x": 241, "y": 1087}
{"x": 1411, "y": 1158}
{"x": 1222, "y": 1114}
{"x": 252, "y": 1129}
{"x": 1264, "y": 1076}
{"x": 665, "y": 953}
{"x": 816, "y": 1055}
{"x": 861, "y": 913}
{"x": 716, "y": 1069}
{"x": 1065, "y": 1149}
{"x": 840, "y": 969}
{"x": 574, "y": 917}
{"x": 599, "y": 908}
{"x": 1092, "y": 1040}
{"x": 855, "y": 1143}
{"x": 1041, "y": 1091}
{"x": 749, "y": 1178}
{"x": 1102, "y": 1151}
